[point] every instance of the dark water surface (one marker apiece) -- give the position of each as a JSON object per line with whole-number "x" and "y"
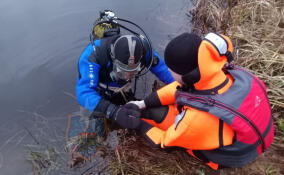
{"x": 40, "y": 42}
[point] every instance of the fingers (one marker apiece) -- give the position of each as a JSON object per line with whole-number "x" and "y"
{"x": 132, "y": 106}
{"x": 134, "y": 113}
{"x": 135, "y": 123}
{"x": 128, "y": 118}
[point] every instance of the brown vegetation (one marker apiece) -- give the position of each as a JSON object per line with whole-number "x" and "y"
{"x": 257, "y": 30}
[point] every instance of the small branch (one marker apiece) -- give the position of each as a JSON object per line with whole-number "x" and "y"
{"x": 119, "y": 160}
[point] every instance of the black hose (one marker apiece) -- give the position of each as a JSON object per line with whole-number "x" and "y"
{"x": 148, "y": 39}
{"x": 135, "y": 82}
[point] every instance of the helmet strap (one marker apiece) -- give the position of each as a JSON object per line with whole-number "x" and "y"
{"x": 131, "y": 60}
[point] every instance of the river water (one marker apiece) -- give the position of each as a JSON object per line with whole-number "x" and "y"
{"x": 40, "y": 43}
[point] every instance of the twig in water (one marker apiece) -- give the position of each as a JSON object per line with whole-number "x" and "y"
{"x": 119, "y": 160}
{"x": 37, "y": 142}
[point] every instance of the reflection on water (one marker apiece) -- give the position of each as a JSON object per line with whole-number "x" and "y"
{"x": 40, "y": 42}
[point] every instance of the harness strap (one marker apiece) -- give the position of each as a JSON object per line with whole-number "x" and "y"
{"x": 199, "y": 155}
{"x": 221, "y": 126}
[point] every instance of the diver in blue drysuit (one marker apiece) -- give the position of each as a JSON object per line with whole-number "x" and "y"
{"x": 108, "y": 64}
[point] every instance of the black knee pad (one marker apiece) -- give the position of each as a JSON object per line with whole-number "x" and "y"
{"x": 157, "y": 114}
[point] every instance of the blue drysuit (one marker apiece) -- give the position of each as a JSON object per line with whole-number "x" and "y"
{"x": 94, "y": 66}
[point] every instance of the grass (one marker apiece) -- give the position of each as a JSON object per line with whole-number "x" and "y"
{"x": 43, "y": 161}
{"x": 257, "y": 30}
{"x": 259, "y": 37}
{"x": 136, "y": 156}
{"x": 280, "y": 123}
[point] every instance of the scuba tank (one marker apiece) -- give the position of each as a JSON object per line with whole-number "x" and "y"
{"x": 102, "y": 28}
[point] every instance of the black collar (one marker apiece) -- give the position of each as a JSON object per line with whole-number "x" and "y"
{"x": 212, "y": 91}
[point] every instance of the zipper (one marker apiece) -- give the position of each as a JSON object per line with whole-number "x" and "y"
{"x": 213, "y": 102}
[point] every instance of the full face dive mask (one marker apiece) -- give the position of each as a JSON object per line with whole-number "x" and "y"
{"x": 126, "y": 54}
{"x": 109, "y": 24}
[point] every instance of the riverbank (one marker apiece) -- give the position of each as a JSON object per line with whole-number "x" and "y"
{"x": 257, "y": 31}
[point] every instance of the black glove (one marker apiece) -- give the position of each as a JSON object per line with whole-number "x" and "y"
{"x": 127, "y": 116}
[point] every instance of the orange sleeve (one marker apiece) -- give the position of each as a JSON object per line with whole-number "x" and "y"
{"x": 164, "y": 96}
{"x": 193, "y": 129}
{"x": 167, "y": 93}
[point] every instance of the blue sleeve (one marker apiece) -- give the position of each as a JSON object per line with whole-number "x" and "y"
{"x": 88, "y": 81}
{"x": 161, "y": 70}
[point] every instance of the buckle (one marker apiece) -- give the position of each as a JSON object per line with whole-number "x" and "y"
{"x": 228, "y": 66}
{"x": 229, "y": 56}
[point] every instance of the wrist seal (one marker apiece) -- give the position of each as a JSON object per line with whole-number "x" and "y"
{"x": 111, "y": 109}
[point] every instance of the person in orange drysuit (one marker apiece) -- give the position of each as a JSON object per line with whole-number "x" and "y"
{"x": 197, "y": 67}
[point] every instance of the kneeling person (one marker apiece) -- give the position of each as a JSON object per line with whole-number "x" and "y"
{"x": 217, "y": 112}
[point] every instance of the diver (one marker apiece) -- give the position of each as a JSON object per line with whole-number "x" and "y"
{"x": 107, "y": 66}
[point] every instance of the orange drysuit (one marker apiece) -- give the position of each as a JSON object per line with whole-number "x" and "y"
{"x": 185, "y": 126}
